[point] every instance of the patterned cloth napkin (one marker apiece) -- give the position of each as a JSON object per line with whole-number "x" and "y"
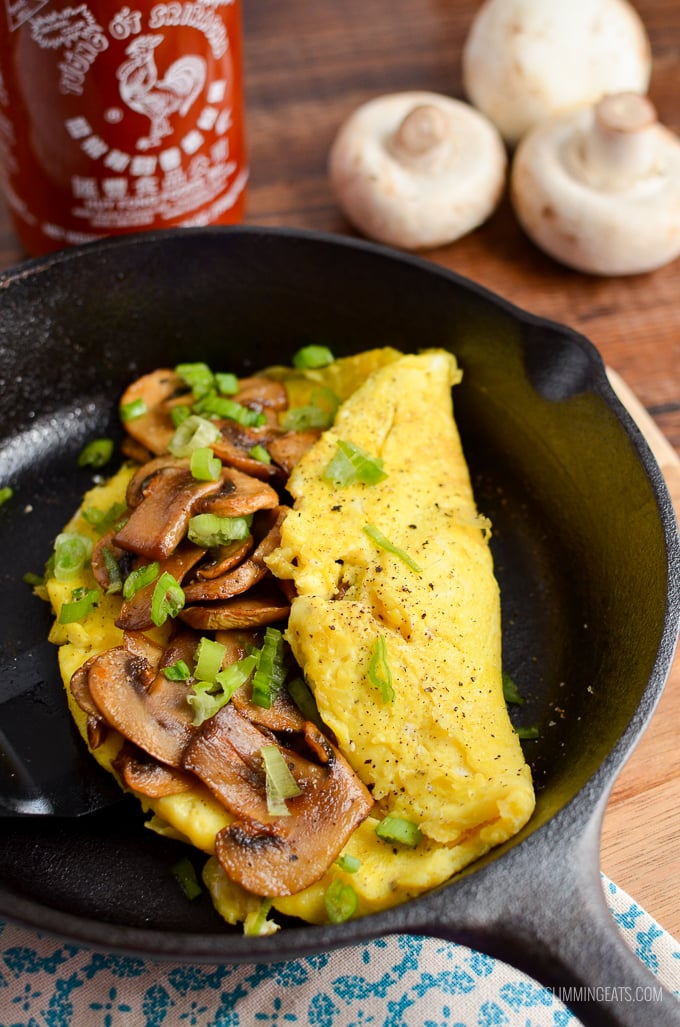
{"x": 399, "y": 981}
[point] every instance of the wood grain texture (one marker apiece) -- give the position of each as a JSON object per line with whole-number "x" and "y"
{"x": 307, "y": 66}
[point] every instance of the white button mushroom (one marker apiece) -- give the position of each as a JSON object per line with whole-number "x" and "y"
{"x": 416, "y": 169}
{"x": 525, "y": 60}
{"x": 599, "y": 188}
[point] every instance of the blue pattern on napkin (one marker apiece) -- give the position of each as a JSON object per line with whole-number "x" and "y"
{"x": 389, "y": 982}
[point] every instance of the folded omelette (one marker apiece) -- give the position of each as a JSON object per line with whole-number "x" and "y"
{"x": 394, "y": 623}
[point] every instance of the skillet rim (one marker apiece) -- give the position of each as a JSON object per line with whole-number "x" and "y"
{"x": 585, "y": 806}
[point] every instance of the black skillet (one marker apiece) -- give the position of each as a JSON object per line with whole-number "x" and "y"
{"x": 585, "y": 545}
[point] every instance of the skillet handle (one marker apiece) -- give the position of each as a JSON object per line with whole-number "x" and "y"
{"x": 541, "y": 908}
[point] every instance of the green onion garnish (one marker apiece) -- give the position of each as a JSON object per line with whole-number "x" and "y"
{"x": 399, "y": 830}
{"x": 34, "y": 580}
{"x": 229, "y": 409}
{"x": 313, "y": 356}
{"x": 112, "y": 571}
{"x": 227, "y": 384}
{"x": 279, "y": 782}
{"x": 96, "y": 453}
{"x": 71, "y": 555}
{"x": 305, "y": 701}
{"x": 102, "y": 520}
{"x": 351, "y": 465}
{"x": 260, "y": 453}
{"x": 83, "y": 600}
{"x": 139, "y": 578}
{"x": 510, "y": 692}
{"x": 205, "y": 466}
{"x": 197, "y": 376}
{"x": 207, "y": 697}
{"x": 256, "y": 922}
{"x": 6, "y": 494}
{"x": 210, "y": 530}
{"x": 209, "y": 657}
{"x": 179, "y": 414}
{"x": 167, "y": 599}
{"x": 350, "y": 864}
{"x": 384, "y": 543}
{"x": 340, "y": 900}
{"x": 131, "y": 411}
{"x": 528, "y": 733}
{"x": 193, "y": 433}
{"x": 318, "y": 414}
{"x": 271, "y": 669}
{"x": 178, "y": 671}
{"x": 185, "y": 875}
{"x": 379, "y": 673}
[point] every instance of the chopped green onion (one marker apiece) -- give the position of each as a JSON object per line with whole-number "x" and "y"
{"x": 384, "y": 543}
{"x": 178, "y": 671}
{"x": 131, "y": 411}
{"x": 229, "y": 409}
{"x": 185, "y": 875}
{"x": 340, "y": 900}
{"x": 256, "y": 922}
{"x": 205, "y": 466}
{"x": 209, "y": 657}
{"x": 350, "y": 864}
{"x": 210, "y": 530}
{"x": 193, "y": 433}
{"x": 34, "y": 580}
{"x": 320, "y": 413}
{"x": 179, "y": 414}
{"x": 102, "y": 520}
{"x": 313, "y": 356}
{"x": 6, "y": 493}
{"x": 96, "y": 453}
{"x": 279, "y": 782}
{"x": 227, "y": 383}
{"x": 510, "y": 692}
{"x": 71, "y": 555}
{"x": 351, "y": 465}
{"x": 379, "y": 673}
{"x": 399, "y": 830}
{"x": 83, "y": 601}
{"x": 528, "y": 733}
{"x": 112, "y": 571}
{"x": 167, "y": 599}
{"x": 139, "y": 578}
{"x": 260, "y": 453}
{"x": 208, "y": 697}
{"x": 271, "y": 669}
{"x": 305, "y": 701}
{"x": 197, "y": 376}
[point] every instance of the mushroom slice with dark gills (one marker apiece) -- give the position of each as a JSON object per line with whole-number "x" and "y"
{"x": 267, "y": 529}
{"x": 159, "y": 392}
{"x": 269, "y": 854}
{"x": 145, "y": 775}
{"x": 288, "y": 449}
{"x": 142, "y": 704}
{"x": 262, "y": 604}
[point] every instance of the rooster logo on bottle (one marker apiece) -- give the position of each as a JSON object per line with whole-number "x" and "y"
{"x": 145, "y": 92}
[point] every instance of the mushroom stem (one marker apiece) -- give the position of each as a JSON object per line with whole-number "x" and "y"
{"x": 620, "y": 147}
{"x": 420, "y": 134}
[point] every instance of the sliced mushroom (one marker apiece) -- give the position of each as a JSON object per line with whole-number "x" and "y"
{"x": 159, "y": 391}
{"x": 222, "y": 559}
{"x": 282, "y": 716}
{"x": 239, "y": 495}
{"x": 246, "y": 574}
{"x": 278, "y": 856}
{"x": 148, "y": 710}
{"x": 260, "y": 393}
{"x": 171, "y": 497}
{"x": 236, "y": 443}
{"x": 135, "y": 613}
{"x": 97, "y": 728}
{"x": 141, "y": 773}
{"x": 99, "y": 564}
{"x": 287, "y": 450}
{"x": 261, "y": 605}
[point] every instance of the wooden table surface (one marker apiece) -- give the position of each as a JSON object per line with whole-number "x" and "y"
{"x": 308, "y": 65}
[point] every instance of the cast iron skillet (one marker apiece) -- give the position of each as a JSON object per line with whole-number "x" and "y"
{"x": 585, "y": 545}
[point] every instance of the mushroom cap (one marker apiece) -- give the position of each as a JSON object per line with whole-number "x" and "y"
{"x": 591, "y": 224}
{"x": 416, "y": 169}
{"x": 524, "y": 61}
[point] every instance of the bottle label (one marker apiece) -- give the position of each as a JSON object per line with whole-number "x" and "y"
{"x": 135, "y": 113}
